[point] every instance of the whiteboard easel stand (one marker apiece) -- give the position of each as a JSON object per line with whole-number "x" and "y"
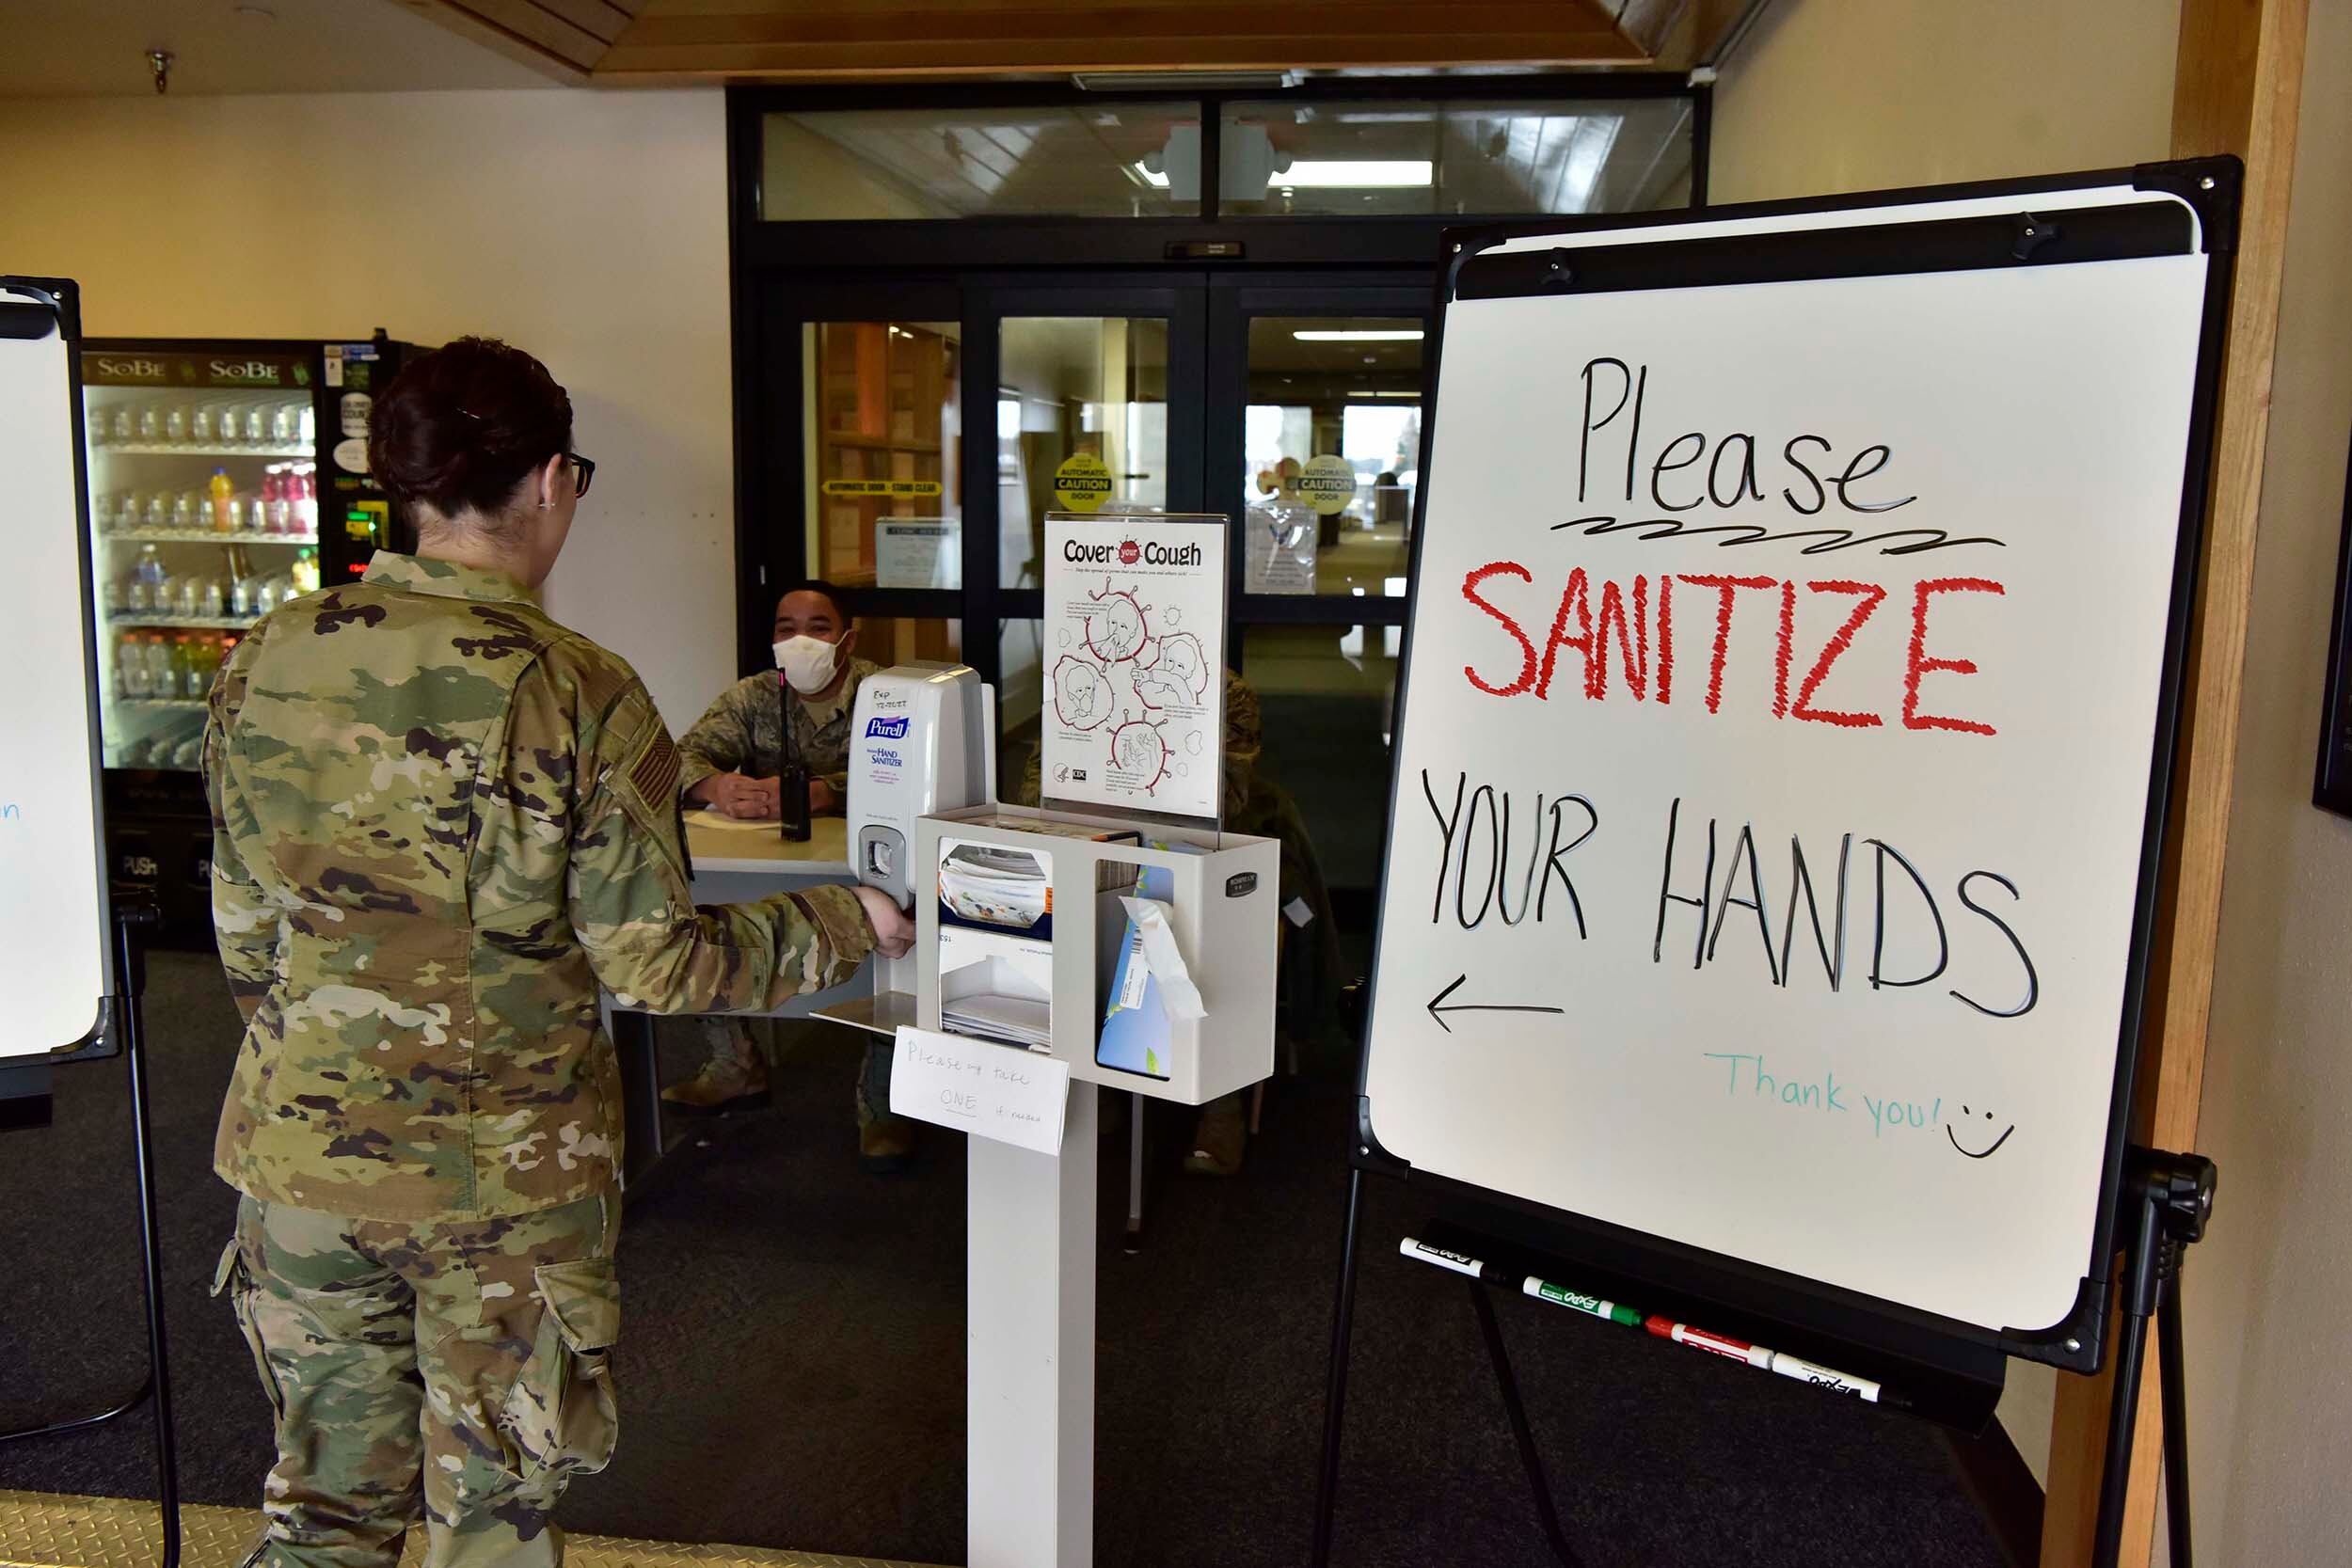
{"x": 130, "y": 967}
{"x": 2150, "y": 1203}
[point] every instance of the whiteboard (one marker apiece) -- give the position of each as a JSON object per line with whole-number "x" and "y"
{"x": 1945, "y": 675}
{"x": 53, "y": 950}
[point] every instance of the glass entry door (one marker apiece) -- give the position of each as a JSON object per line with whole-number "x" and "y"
{"x": 1314, "y": 427}
{"x": 925, "y": 429}
{"x": 1096, "y": 388}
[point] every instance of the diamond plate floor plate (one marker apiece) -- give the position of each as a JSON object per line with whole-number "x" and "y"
{"x": 41, "y": 1530}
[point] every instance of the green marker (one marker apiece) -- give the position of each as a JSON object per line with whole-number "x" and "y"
{"x": 1577, "y": 1301}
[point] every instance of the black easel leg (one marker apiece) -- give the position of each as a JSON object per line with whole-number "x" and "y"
{"x": 2131, "y": 1345}
{"x": 2175, "y": 1196}
{"x": 1335, "y": 1389}
{"x": 1530, "y": 1460}
{"x": 134, "y": 973}
{"x": 2173, "y": 1384}
{"x": 130, "y": 981}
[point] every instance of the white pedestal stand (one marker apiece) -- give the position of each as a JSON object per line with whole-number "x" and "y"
{"x": 1029, "y": 1300}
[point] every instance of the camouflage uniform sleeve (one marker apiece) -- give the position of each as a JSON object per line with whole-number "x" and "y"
{"x": 633, "y": 909}
{"x": 719, "y": 741}
{"x": 245, "y": 925}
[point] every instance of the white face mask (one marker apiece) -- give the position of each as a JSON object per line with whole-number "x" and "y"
{"x": 807, "y": 662}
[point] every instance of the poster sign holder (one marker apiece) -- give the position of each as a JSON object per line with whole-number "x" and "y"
{"x": 1134, "y": 718}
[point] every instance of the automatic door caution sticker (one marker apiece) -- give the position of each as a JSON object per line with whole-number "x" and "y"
{"x": 1327, "y": 483}
{"x": 1083, "y": 483}
{"x": 894, "y": 487}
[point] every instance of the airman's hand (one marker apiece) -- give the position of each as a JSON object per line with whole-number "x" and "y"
{"x": 894, "y": 932}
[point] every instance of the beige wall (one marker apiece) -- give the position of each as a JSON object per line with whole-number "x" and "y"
{"x": 2269, "y": 1387}
{"x": 588, "y": 227}
{"x": 1851, "y": 95}
{"x": 1845, "y": 95}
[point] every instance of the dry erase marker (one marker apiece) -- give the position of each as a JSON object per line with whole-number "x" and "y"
{"x": 1757, "y": 1355}
{"x": 1439, "y": 1256}
{"x": 1577, "y": 1301}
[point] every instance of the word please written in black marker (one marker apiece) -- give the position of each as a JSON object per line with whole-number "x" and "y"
{"x": 1507, "y": 856}
{"x": 1693, "y": 469}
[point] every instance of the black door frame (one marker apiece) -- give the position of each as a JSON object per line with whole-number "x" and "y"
{"x": 944, "y": 269}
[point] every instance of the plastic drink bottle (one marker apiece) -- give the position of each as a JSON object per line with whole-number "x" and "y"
{"x": 130, "y": 666}
{"x": 151, "y": 423}
{"x": 146, "y": 579}
{"x": 200, "y": 424}
{"x": 220, "y": 490}
{"x": 305, "y": 572}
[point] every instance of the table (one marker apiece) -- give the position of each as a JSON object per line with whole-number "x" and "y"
{"x": 732, "y": 863}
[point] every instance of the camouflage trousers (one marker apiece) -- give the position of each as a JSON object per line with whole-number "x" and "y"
{"x": 457, "y": 1372}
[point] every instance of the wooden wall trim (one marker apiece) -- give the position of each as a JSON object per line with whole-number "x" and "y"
{"x": 2237, "y": 88}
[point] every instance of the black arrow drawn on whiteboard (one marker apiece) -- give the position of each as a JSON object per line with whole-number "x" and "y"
{"x": 1439, "y": 1013}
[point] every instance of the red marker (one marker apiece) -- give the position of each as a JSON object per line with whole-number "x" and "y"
{"x": 1699, "y": 1338}
{"x": 1772, "y": 1361}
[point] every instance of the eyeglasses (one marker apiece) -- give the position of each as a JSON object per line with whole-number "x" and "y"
{"x": 584, "y": 471}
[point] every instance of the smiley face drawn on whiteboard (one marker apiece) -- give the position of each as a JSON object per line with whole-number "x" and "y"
{"x": 1970, "y": 1152}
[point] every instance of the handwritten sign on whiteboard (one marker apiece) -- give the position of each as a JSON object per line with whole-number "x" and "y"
{"x": 991, "y": 1091}
{"x": 1774, "y": 764}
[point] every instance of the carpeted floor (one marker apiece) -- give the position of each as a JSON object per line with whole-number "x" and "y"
{"x": 792, "y": 1364}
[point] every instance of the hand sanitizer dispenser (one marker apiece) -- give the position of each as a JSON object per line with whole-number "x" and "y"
{"x": 922, "y": 740}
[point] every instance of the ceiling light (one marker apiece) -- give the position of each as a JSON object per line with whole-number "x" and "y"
{"x": 1355, "y": 174}
{"x": 1335, "y": 174}
{"x": 1359, "y": 334}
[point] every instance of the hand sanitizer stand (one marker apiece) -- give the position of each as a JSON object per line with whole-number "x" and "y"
{"x": 1030, "y": 1259}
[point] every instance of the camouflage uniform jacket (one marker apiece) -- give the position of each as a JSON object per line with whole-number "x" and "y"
{"x": 743, "y": 731}
{"x": 439, "y": 821}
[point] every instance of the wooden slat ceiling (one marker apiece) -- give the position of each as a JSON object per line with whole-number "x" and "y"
{"x": 658, "y": 42}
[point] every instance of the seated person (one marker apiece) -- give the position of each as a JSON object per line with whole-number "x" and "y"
{"x": 731, "y": 762}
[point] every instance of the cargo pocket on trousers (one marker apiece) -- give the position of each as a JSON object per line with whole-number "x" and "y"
{"x": 564, "y": 1415}
{"x": 235, "y": 1280}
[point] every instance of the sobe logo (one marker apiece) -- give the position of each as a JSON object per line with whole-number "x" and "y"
{"x": 251, "y": 369}
{"x": 149, "y": 369}
{"x": 886, "y": 729}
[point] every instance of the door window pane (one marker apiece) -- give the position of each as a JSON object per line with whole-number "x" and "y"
{"x": 884, "y": 427}
{"x": 1075, "y": 386}
{"x": 1020, "y": 706}
{"x": 1089, "y": 160}
{"x": 889, "y": 639}
{"x": 1325, "y": 697}
{"x": 1596, "y": 155}
{"x": 1333, "y": 428}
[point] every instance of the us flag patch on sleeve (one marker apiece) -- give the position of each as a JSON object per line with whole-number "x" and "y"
{"x": 655, "y": 773}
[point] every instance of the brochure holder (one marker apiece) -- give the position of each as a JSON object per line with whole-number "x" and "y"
{"x": 1222, "y": 913}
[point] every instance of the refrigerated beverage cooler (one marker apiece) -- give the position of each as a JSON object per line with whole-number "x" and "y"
{"x": 225, "y": 477}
